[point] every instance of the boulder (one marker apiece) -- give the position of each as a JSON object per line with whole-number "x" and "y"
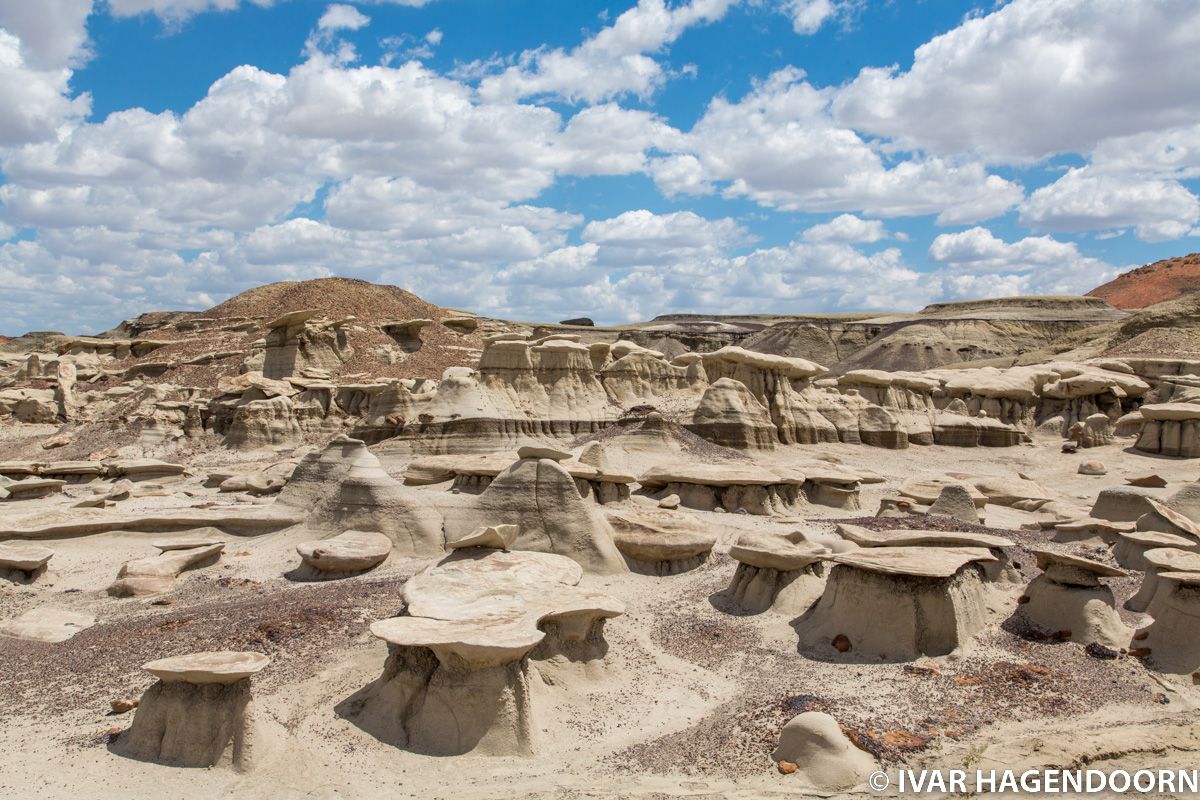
{"x": 955, "y": 502}
{"x": 730, "y": 415}
{"x": 541, "y": 497}
{"x": 826, "y": 759}
{"x": 45, "y": 624}
{"x": 349, "y": 552}
{"x": 1124, "y": 503}
{"x": 497, "y": 537}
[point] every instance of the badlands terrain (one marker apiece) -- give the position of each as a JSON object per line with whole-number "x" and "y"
{"x": 327, "y": 539}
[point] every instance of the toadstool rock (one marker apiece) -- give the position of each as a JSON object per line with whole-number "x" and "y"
{"x": 899, "y": 603}
{"x": 199, "y": 712}
{"x": 775, "y": 573}
{"x": 1069, "y": 597}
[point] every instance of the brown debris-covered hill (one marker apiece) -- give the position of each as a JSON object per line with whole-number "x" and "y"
{"x": 1159, "y": 282}
{"x": 221, "y": 337}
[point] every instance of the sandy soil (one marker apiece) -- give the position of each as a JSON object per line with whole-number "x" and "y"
{"x": 690, "y": 705}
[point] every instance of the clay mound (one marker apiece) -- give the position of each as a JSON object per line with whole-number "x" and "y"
{"x": 1169, "y": 329}
{"x": 221, "y": 337}
{"x": 1163, "y": 280}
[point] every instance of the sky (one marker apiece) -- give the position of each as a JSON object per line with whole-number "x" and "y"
{"x": 546, "y": 159}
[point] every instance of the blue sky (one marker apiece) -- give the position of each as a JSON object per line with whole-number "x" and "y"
{"x": 540, "y": 159}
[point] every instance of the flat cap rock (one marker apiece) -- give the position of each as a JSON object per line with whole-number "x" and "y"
{"x": 537, "y": 451}
{"x": 1159, "y": 539}
{"x": 1172, "y": 559}
{"x": 865, "y": 537}
{"x": 1175, "y": 518}
{"x": 714, "y": 475}
{"x": 653, "y": 546}
{"x": 1171, "y": 411}
{"x": 47, "y": 625}
{"x": 1048, "y": 559}
{"x": 921, "y": 562}
{"x": 772, "y": 551}
{"x": 187, "y": 542}
{"x": 488, "y": 641}
{"x": 223, "y": 666}
{"x": 497, "y": 537}
{"x": 351, "y": 551}
{"x": 23, "y": 556}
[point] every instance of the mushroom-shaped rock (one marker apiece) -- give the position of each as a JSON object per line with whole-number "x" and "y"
{"x": 1173, "y": 639}
{"x": 655, "y": 541}
{"x": 199, "y": 712}
{"x": 349, "y": 552}
{"x": 1130, "y": 547}
{"x": 1124, "y": 503}
{"x": 955, "y": 502}
{"x": 458, "y": 674}
{"x": 45, "y": 624}
{"x": 1170, "y": 429}
{"x": 23, "y": 561}
{"x": 1068, "y": 598}
{"x": 497, "y": 537}
{"x": 706, "y": 487}
{"x": 663, "y": 552}
{"x": 156, "y": 575}
{"x": 775, "y": 573}
{"x": 1159, "y": 560}
{"x": 826, "y": 759}
{"x": 1165, "y": 519}
{"x": 1090, "y": 529}
{"x": 898, "y": 603}
{"x": 407, "y": 333}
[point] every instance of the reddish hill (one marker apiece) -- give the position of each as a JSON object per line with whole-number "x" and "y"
{"x": 1159, "y": 282}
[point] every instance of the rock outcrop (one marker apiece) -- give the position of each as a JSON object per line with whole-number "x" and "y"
{"x": 480, "y": 625}
{"x": 199, "y": 712}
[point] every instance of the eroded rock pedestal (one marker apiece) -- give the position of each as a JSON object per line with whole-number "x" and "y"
{"x": 466, "y": 664}
{"x": 197, "y": 714}
{"x": 1068, "y": 598}
{"x": 898, "y": 603}
{"x": 773, "y": 573}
